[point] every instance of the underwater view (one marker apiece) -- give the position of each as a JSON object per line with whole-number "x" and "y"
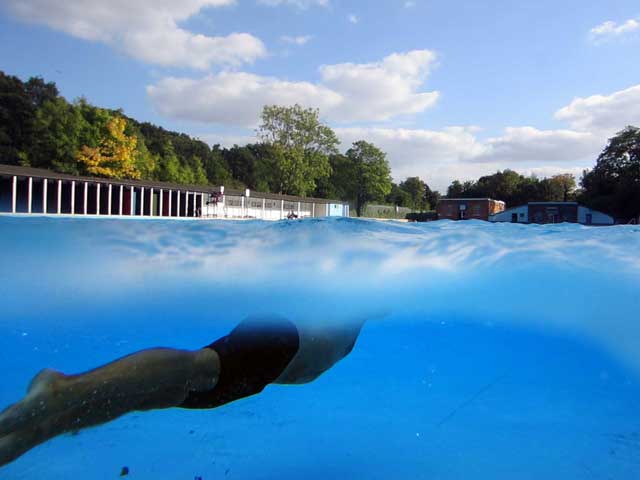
{"x": 484, "y": 350}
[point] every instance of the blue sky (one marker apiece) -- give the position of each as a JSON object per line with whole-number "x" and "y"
{"x": 447, "y": 89}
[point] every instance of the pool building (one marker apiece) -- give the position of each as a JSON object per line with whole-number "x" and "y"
{"x": 25, "y": 190}
{"x": 468, "y": 208}
{"x": 553, "y": 212}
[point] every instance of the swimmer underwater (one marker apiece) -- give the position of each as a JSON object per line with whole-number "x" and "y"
{"x": 256, "y": 353}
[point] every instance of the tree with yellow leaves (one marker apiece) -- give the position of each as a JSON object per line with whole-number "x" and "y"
{"x": 115, "y": 157}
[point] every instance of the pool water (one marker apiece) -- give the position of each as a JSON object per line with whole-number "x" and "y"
{"x": 493, "y": 351}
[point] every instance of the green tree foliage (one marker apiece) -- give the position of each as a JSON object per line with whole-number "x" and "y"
{"x": 19, "y": 102}
{"x": 372, "y": 176}
{"x": 297, "y": 153}
{"x": 414, "y": 193}
{"x": 59, "y": 130}
{"x": 302, "y": 144}
{"x": 562, "y": 187}
{"x": 432, "y": 197}
{"x": 397, "y": 196}
{"x": 613, "y": 185}
{"x": 516, "y": 189}
{"x": 416, "y": 189}
{"x": 215, "y": 167}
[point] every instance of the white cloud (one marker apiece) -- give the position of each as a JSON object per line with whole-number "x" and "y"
{"x": 233, "y": 98}
{"x": 610, "y": 29}
{"x": 528, "y": 144}
{"x": 347, "y": 92}
{"x": 226, "y": 140}
{"x": 437, "y": 156}
{"x": 353, "y": 18}
{"x": 144, "y": 29}
{"x": 382, "y": 90}
{"x": 298, "y": 40}
{"x": 606, "y": 113}
{"x": 302, "y": 4}
{"x": 440, "y": 156}
{"x": 550, "y": 171}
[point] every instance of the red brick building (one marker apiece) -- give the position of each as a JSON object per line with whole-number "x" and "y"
{"x": 468, "y": 208}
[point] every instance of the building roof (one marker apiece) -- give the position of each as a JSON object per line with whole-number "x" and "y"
{"x": 14, "y": 170}
{"x": 469, "y": 199}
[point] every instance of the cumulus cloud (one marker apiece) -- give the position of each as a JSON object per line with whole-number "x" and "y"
{"x": 297, "y": 40}
{"x": 347, "y": 92}
{"x": 528, "y": 144}
{"x": 147, "y": 30}
{"x": 440, "y": 156}
{"x": 228, "y": 141}
{"x": 233, "y": 98}
{"x": 443, "y": 155}
{"x": 605, "y": 113}
{"x": 610, "y": 29}
{"x": 382, "y": 90}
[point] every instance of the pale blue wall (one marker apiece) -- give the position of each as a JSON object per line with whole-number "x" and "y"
{"x": 337, "y": 210}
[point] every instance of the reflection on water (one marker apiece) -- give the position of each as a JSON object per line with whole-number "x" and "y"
{"x": 495, "y": 351}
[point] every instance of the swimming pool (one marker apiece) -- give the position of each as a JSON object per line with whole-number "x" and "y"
{"x": 489, "y": 350}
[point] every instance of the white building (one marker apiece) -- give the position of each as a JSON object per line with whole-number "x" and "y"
{"x": 42, "y": 192}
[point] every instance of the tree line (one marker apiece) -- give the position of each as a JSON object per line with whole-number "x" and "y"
{"x": 516, "y": 189}
{"x": 612, "y": 186}
{"x": 295, "y": 154}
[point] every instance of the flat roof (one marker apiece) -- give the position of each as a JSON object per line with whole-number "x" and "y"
{"x": 15, "y": 170}
{"x": 552, "y": 203}
{"x": 468, "y": 199}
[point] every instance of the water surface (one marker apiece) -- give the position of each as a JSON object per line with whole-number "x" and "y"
{"x": 491, "y": 350}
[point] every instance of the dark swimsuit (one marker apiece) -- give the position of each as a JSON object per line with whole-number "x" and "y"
{"x": 252, "y": 356}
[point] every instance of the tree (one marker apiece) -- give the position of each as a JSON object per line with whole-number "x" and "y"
{"x": 372, "y": 176}
{"x": 17, "y": 111}
{"x": 417, "y": 190}
{"x": 303, "y": 145}
{"x": 432, "y": 197}
{"x": 562, "y": 187}
{"x": 115, "y": 156}
{"x": 460, "y": 190}
{"x": 398, "y": 196}
{"x": 340, "y": 184}
{"x": 58, "y": 133}
{"x": 516, "y": 189}
{"x": 613, "y": 185}
{"x": 216, "y": 168}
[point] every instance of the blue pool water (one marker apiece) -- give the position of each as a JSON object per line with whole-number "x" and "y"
{"x": 490, "y": 351}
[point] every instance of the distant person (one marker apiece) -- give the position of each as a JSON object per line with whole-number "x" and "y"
{"x": 256, "y": 353}
{"x": 292, "y": 215}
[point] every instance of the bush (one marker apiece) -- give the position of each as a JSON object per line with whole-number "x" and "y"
{"x": 422, "y": 216}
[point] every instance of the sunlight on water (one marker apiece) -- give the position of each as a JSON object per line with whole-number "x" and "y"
{"x": 490, "y": 351}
